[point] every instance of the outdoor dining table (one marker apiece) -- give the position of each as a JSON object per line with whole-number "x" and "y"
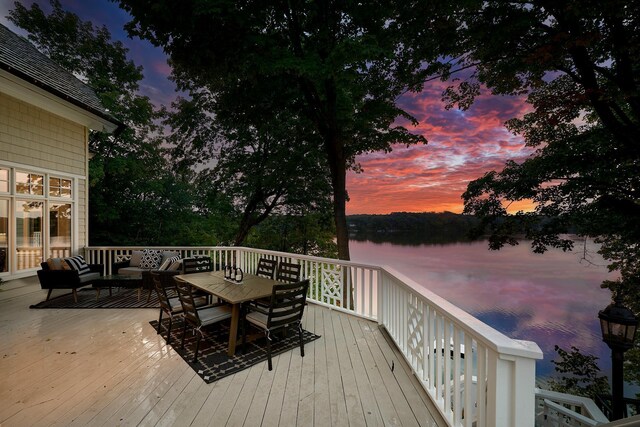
{"x": 213, "y": 282}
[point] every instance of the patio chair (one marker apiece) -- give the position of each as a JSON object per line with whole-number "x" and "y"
{"x": 198, "y": 317}
{"x": 266, "y": 268}
{"x": 196, "y": 265}
{"x": 169, "y": 301}
{"x": 288, "y": 272}
{"x": 286, "y": 309}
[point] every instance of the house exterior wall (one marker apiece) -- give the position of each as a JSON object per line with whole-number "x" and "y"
{"x": 37, "y": 141}
{"x": 34, "y": 137}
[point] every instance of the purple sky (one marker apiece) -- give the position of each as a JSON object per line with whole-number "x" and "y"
{"x": 462, "y": 145}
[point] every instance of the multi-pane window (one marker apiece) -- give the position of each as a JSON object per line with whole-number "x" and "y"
{"x": 60, "y": 187}
{"x": 29, "y": 183}
{"x": 36, "y": 218}
{"x": 4, "y": 180}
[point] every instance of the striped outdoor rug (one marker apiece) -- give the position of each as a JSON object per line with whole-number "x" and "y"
{"x": 121, "y": 298}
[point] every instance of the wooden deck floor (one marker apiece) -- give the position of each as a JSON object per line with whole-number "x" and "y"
{"x": 108, "y": 367}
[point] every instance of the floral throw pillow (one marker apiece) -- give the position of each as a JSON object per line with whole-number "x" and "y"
{"x": 150, "y": 259}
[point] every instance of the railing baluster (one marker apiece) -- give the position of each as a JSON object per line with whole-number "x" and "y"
{"x": 393, "y": 300}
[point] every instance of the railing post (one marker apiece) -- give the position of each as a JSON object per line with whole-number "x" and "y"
{"x": 380, "y": 294}
{"x": 510, "y": 390}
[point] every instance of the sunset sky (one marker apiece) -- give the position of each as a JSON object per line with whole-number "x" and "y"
{"x": 425, "y": 178}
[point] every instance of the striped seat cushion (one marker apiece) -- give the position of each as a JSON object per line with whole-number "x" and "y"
{"x": 77, "y": 263}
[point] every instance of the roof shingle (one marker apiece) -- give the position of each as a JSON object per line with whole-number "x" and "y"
{"x": 20, "y": 58}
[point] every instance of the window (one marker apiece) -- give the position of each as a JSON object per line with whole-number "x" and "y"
{"x": 4, "y": 236}
{"x": 4, "y": 180}
{"x": 60, "y": 187}
{"x": 36, "y": 218}
{"x": 60, "y": 230}
{"x": 29, "y": 183}
{"x": 29, "y": 233}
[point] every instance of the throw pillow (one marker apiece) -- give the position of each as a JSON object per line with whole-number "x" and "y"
{"x": 169, "y": 254}
{"x": 77, "y": 263}
{"x": 136, "y": 258}
{"x": 55, "y": 264}
{"x": 169, "y": 262}
{"x": 150, "y": 259}
{"x": 177, "y": 265}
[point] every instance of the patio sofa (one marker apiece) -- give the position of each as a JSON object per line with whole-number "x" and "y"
{"x": 145, "y": 261}
{"x": 57, "y": 273}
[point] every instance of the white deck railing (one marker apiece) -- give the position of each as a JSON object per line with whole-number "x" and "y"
{"x": 447, "y": 348}
{"x": 561, "y": 409}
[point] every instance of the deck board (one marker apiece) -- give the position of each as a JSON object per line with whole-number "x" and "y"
{"x": 109, "y": 367}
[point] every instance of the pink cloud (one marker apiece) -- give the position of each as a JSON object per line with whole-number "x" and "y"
{"x": 463, "y": 145}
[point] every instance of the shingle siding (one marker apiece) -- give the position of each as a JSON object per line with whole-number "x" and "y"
{"x": 31, "y": 136}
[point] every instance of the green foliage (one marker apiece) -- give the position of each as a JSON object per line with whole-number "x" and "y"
{"x": 308, "y": 234}
{"x": 412, "y": 228}
{"x": 134, "y": 199}
{"x": 264, "y": 162}
{"x": 577, "y": 64}
{"x": 580, "y": 374}
{"x": 339, "y": 66}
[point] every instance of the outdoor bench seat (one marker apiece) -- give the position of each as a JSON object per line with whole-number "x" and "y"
{"x": 138, "y": 269}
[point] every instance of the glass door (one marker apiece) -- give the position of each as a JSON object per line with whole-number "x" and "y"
{"x": 29, "y": 239}
{"x": 4, "y": 235}
{"x": 60, "y": 230}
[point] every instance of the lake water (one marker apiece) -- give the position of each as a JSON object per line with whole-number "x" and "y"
{"x": 551, "y": 299}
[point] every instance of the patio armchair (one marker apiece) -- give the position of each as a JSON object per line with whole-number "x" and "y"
{"x": 59, "y": 278}
{"x": 288, "y": 272}
{"x": 266, "y": 268}
{"x": 170, "y": 304}
{"x": 196, "y": 265}
{"x": 285, "y": 309}
{"x": 198, "y": 317}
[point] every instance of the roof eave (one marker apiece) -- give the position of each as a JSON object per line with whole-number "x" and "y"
{"x": 103, "y": 121}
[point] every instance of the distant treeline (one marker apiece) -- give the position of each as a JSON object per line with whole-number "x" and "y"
{"x": 412, "y": 228}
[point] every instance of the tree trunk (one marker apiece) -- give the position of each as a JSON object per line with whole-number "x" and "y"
{"x": 338, "y": 166}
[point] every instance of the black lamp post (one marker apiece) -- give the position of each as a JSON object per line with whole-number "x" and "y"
{"x": 619, "y": 326}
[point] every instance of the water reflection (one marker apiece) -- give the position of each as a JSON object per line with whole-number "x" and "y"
{"x": 550, "y": 299}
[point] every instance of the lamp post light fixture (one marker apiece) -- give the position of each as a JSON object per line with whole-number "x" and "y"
{"x": 619, "y": 326}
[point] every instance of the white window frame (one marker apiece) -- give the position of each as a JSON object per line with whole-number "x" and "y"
{"x": 12, "y": 196}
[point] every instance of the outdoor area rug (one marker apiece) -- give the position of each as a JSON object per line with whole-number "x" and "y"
{"x": 213, "y": 362}
{"x": 121, "y": 298}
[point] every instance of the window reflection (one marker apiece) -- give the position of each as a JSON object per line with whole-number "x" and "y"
{"x": 4, "y": 180}
{"x": 29, "y": 249}
{"x": 60, "y": 230}
{"x": 29, "y": 183}
{"x": 60, "y": 187}
{"x": 4, "y": 236}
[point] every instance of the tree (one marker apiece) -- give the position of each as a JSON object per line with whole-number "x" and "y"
{"x": 580, "y": 374}
{"x": 344, "y": 63}
{"x": 576, "y": 62}
{"x": 260, "y": 161}
{"x": 130, "y": 180}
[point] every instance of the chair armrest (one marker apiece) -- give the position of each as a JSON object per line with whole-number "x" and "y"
{"x": 97, "y": 268}
{"x": 118, "y": 265}
{"x": 259, "y": 307}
